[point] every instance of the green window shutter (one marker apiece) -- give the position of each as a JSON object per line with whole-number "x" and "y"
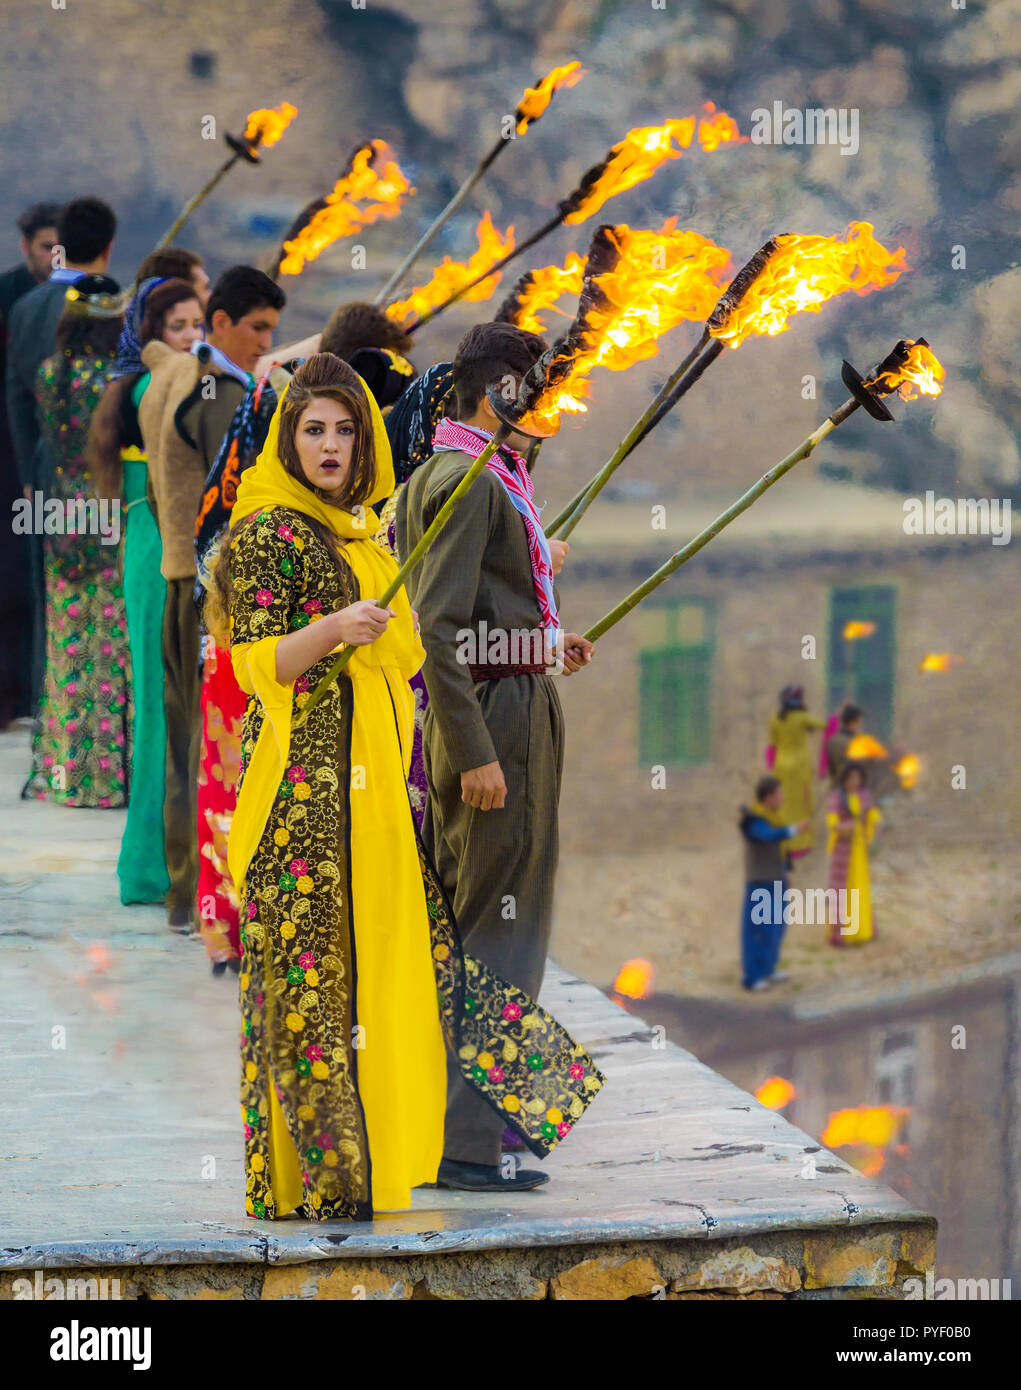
{"x": 674, "y": 705}
{"x": 864, "y": 671}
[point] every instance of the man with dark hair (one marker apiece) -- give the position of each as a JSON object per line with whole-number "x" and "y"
{"x": 493, "y": 731}
{"x": 175, "y": 263}
{"x": 38, "y": 228}
{"x": 357, "y": 325}
{"x": 184, "y": 414}
{"x": 765, "y": 865}
{"x": 85, "y": 232}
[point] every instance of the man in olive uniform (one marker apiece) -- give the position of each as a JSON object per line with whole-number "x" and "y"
{"x": 493, "y": 731}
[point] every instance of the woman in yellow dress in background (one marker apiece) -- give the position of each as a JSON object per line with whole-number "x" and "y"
{"x": 352, "y": 972}
{"x": 789, "y": 758}
{"x": 851, "y": 818}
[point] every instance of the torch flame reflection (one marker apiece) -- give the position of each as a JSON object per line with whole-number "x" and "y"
{"x": 634, "y": 979}
{"x": 939, "y": 661}
{"x": 908, "y": 769}
{"x": 266, "y": 127}
{"x": 857, "y": 628}
{"x": 775, "y": 1093}
{"x": 449, "y": 276}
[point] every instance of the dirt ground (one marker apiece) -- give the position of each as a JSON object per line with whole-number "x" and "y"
{"x": 937, "y": 907}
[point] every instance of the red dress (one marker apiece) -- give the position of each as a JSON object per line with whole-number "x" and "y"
{"x": 223, "y": 709}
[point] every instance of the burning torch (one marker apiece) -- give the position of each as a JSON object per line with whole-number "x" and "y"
{"x": 533, "y": 103}
{"x": 910, "y": 368}
{"x": 633, "y": 160}
{"x": 788, "y": 274}
{"x": 264, "y": 128}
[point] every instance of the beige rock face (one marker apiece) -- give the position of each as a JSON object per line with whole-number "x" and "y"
{"x": 830, "y": 1261}
{"x": 741, "y": 1271}
{"x": 607, "y": 1279}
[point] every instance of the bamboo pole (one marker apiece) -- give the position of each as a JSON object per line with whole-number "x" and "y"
{"x": 436, "y": 525}
{"x": 194, "y": 201}
{"x": 580, "y": 503}
{"x": 697, "y": 543}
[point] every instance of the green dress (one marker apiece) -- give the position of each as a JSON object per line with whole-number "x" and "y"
{"x": 142, "y": 866}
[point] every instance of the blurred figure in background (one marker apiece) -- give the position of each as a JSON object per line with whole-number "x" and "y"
{"x": 38, "y": 228}
{"x": 176, "y": 263}
{"x": 81, "y": 746}
{"x": 765, "y": 871}
{"x": 85, "y": 233}
{"x": 789, "y": 758}
{"x": 851, "y": 817}
{"x": 169, "y": 311}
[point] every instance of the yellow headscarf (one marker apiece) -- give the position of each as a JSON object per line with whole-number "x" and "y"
{"x": 385, "y": 664}
{"x": 268, "y": 484}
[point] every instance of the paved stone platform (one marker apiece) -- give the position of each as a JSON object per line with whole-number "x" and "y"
{"x": 121, "y": 1154}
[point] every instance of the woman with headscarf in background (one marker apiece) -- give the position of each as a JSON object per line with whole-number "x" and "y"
{"x": 168, "y": 309}
{"x": 81, "y": 745}
{"x": 789, "y": 758}
{"x": 851, "y": 817}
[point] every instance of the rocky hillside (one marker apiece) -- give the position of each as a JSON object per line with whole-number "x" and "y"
{"x": 114, "y": 104}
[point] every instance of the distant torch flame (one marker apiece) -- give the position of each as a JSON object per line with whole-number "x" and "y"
{"x": 372, "y": 188}
{"x": 634, "y": 979}
{"x": 908, "y": 769}
{"x": 654, "y": 281}
{"x": 921, "y": 373}
{"x": 865, "y": 746}
{"x": 775, "y": 1093}
{"x": 871, "y": 1125}
{"x": 449, "y": 276}
{"x": 640, "y": 154}
{"x": 856, "y": 629}
{"x": 939, "y": 661}
{"x": 537, "y": 98}
{"x": 794, "y": 272}
{"x": 538, "y": 290}
{"x": 266, "y": 127}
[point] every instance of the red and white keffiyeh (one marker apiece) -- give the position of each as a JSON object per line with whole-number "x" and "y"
{"x": 466, "y": 439}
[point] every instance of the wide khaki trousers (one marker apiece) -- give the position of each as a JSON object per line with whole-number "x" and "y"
{"x": 498, "y": 867}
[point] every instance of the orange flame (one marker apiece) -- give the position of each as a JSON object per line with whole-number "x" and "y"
{"x": 908, "y": 769}
{"x": 634, "y": 979}
{"x": 374, "y": 179}
{"x": 939, "y": 661}
{"x": 858, "y": 628}
{"x": 266, "y": 127}
{"x": 449, "y": 276}
{"x": 643, "y": 150}
{"x": 535, "y": 99}
{"x": 865, "y": 746}
{"x": 545, "y": 286}
{"x": 875, "y": 1125}
{"x": 921, "y": 370}
{"x": 775, "y": 1093}
{"x": 804, "y": 273}
{"x": 719, "y": 129}
{"x": 659, "y": 280}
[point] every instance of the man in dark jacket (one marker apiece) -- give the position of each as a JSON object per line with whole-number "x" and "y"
{"x": 85, "y": 232}
{"x": 38, "y": 228}
{"x": 762, "y": 923}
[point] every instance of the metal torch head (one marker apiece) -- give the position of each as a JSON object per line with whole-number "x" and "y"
{"x": 508, "y": 411}
{"x": 245, "y": 148}
{"x": 865, "y": 397}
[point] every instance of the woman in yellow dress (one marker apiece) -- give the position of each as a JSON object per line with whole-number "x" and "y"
{"x": 789, "y": 758}
{"x": 851, "y": 817}
{"x": 352, "y": 972}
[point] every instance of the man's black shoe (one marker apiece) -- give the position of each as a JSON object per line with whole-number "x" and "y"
{"x": 483, "y": 1177}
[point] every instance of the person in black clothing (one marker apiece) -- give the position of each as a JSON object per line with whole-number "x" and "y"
{"x": 38, "y": 228}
